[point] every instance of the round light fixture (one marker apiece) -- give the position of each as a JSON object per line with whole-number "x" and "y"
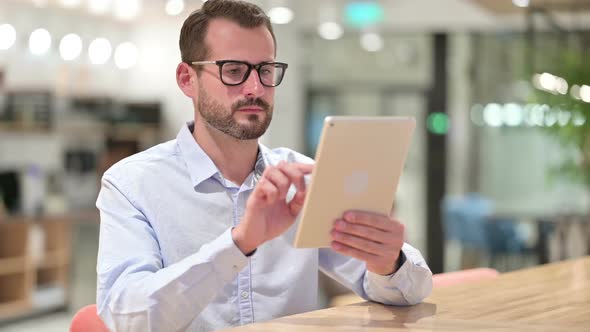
{"x": 99, "y": 51}
{"x": 281, "y": 15}
{"x": 521, "y": 3}
{"x": 7, "y": 36}
{"x": 330, "y": 30}
{"x": 39, "y": 41}
{"x": 70, "y": 3}
{"x": 372, "y": 42}
{"x": 70, "y": 47}
{"x": 99, "y": 7}
{"x": 174, "y": 7}
{"x": 126, "y": 55}
{"x": 127, "y": 9}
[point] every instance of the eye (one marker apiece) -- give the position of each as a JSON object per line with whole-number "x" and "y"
{"x": 266, "y": 70}
{"x": 233, "y": 69}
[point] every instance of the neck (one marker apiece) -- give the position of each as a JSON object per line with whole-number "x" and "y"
{"x": 234, "y": 158}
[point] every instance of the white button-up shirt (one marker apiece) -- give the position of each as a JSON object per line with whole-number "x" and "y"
{"x": 167, "y": 260}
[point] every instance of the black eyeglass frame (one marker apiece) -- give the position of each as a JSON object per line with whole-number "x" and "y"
{"x": 258, "y": 66}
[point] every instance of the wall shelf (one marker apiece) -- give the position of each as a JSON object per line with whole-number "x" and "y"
{"x": 13, "y": 265}
{"x": 35, "y": 257}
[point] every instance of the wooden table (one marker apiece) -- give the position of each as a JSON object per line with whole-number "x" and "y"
{"x": 553, "y": 297}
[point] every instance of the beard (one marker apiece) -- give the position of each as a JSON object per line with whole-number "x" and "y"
{"x": 222, "y": 119}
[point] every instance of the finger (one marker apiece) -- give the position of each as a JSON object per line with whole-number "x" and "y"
{"x": 294, "y": 174}
{"x": 278, "y": 179}
{"x": 375, "y": 220}
{"x": 296, "y": 203}
{"x": 266, "y": 191}
{"x": 305, "y": 168}
{"x": 360, "y": 243}
{"x": 367, "y": 232}
{"x": 299, "y": 197}
{"x": 352, "y": 252}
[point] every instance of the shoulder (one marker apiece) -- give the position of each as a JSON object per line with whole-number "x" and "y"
{"x": 151, "y": 161}
{"x": 286, "y": 154}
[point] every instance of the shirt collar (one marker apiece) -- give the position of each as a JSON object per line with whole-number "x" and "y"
{"x": 201, "y": 167}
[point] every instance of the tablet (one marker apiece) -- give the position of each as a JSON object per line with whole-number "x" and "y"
{"x": 358, "y": 165}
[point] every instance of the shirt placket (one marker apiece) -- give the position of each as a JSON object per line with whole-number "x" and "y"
{"x": 245, "y": 306}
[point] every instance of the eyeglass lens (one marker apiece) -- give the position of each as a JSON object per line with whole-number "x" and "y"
{"x": 236, "y": 73}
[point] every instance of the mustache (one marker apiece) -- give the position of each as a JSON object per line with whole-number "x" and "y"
{"x": 251, "y": 102}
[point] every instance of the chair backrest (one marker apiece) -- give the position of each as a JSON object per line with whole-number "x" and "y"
{"x": 458, "y": 277}
{"x": 464, "y": 219}
{"x": 87, "y": 320}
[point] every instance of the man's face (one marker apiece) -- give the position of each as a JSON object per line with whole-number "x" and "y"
{"x": 243, "y": 111}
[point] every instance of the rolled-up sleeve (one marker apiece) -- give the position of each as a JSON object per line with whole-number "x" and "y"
{"x": 409, "y": 285}
{"x": 135, "y": 292}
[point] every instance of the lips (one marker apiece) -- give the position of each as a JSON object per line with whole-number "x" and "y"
{"x": 251, "y": 110}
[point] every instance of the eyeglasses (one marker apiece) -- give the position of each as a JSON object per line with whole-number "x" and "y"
{"x": 233, "y": 72}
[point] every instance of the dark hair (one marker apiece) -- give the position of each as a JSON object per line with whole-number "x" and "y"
{"x": 194, "y": 29}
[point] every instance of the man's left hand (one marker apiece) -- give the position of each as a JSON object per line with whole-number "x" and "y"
{"x": 373, "y": 238}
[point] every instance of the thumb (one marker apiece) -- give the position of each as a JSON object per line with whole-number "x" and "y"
{"x": 296, "y": 203}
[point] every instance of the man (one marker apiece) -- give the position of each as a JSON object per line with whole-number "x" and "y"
{"x": 194, "y": 231}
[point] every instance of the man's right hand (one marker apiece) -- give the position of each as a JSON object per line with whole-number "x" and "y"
{"x": 267, "y": 214}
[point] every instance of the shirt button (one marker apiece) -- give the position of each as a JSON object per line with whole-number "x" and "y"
{"x": 245, "y": 295}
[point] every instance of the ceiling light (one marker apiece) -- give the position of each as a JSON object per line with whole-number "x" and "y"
{"x": 39, "y": 41}
{"x": 536, "y": 114}
{"x": 7, "y": 36}
{"x": 40, "y": 3}
{"x": 521, "y": 3}
{"x": 127, "y": 9}
{"x": 575, "y": 92}
{"x": 99, "y": 51}
{"x": 371, "y": 42}
{"x": 126, "y": 55}
{"x": 280, "y": 15}
{"x": 561, "y": 85}
{"x": 579, "y": 119}
{"x": 550, "y": 119}
{"x": 70, "y": 3}
{"x": 70, "y": 47}
{"x": 330, "y": 30}
{"x": 563, "y": 118}
{"x": 492, "y": 115}
{"x": 547, "y": 81}
{"x": 174, "y": 7}
{"x": 476, "y": 114}
{"x": 513, "y": 114}
{"x": 585, "y": 93}
{"x": 99, "y": 7}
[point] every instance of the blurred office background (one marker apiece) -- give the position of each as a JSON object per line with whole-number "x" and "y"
{"x": 498, "y": 173}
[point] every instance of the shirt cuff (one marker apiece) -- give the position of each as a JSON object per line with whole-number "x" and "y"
{"x": 228, "y": 260}
{"x": 387, "y": 280}
{"x": 376, "y": 285}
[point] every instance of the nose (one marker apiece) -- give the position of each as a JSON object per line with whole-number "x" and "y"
{"x": 252, "y": 86}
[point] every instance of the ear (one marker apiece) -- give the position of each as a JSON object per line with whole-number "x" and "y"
{"x": 186, "y": 80}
